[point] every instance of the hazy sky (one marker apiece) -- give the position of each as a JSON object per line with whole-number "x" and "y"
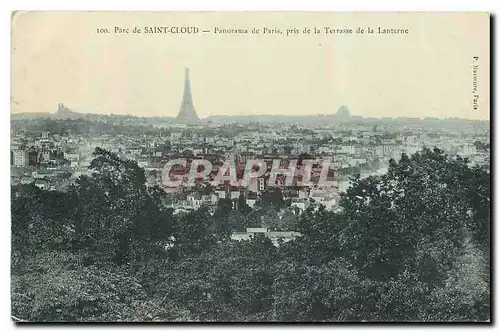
{"x": 59, "y": 57}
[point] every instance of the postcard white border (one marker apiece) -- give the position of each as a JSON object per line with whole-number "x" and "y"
{"x": 226, "y": 5}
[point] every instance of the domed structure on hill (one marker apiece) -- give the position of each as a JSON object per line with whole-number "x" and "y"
{"x": 343, "y": 112}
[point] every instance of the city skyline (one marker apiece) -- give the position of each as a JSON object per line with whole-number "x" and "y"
{"x": 55, "y": 110}
{"x": 427, "y": 73}
{"x": 250, "y": 167}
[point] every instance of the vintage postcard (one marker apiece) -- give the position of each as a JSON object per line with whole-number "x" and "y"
{"x": 250, "y": 167}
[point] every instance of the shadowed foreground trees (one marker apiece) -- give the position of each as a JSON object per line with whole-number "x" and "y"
{"x": 410, "y": 245}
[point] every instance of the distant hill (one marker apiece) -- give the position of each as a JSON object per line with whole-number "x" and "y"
{"x": 30, "y": 115}
{"x": 342, "y": 117}
{"x": 320, "y": 118}
{"x": 64, "y": 112}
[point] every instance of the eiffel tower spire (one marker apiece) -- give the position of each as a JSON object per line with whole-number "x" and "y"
{"x": 187, "y": 112}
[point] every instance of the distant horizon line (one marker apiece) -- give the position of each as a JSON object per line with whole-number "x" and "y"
{"x": 248, "y": 115}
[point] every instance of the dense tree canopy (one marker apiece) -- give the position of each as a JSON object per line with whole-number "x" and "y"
{"x": 412, "y": 244}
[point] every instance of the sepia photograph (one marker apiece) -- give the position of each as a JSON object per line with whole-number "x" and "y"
{"x": 250, "y": 167}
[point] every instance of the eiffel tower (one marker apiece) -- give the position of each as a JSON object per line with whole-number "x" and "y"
{"x": 187, "y": 113}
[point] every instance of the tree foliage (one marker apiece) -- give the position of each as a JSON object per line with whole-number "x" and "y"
{"x": 409, "y": 245}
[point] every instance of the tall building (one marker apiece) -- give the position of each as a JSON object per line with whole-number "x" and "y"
{"x": 20, "y": 158}
{"x": 187, "y": 112}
